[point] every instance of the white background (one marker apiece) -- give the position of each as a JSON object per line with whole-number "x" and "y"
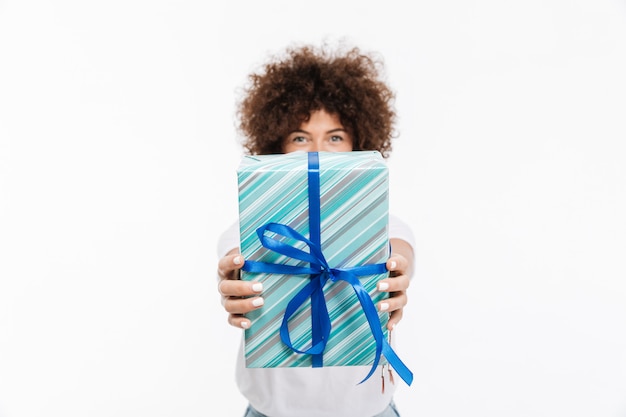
{"x": 117, "y": 174}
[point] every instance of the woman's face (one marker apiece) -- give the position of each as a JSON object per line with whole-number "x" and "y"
{"x": 322, "y": 132}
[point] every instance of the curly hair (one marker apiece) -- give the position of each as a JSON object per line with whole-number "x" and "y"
{"x": 288, "y": 88}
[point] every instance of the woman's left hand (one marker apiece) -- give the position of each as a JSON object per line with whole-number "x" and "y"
{"x": 400, "y": 267}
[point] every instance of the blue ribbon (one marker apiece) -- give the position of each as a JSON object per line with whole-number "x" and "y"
{"x": 320, "y": 273}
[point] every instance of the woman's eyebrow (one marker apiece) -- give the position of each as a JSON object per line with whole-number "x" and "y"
{"x": 339, "y": 129}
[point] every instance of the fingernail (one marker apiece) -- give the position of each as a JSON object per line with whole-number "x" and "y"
{"x": 383, "y": 286}
{"x": 384, "y": 306}
{"x": 237, "y": 260}
{"x": 258, "y": 287}
{"x": 393, "y": 265}
{"x": 245, "y": 324}
{"x": 259, "y": 302}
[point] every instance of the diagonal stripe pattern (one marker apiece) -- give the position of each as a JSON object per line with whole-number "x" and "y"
{"x": 354, "y": 218}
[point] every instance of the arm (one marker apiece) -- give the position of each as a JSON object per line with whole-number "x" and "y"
{"x": 240, "y": 297}
{"x": 400, "y": 266}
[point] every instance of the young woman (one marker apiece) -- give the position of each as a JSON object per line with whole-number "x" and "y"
{"x": 315, "y": 99}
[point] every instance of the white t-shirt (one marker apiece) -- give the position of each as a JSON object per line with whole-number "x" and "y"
{"x": 314, "y": 392}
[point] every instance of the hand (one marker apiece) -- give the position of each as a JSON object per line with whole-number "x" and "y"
{"x": 238, "y": 297}
{"x": 400, "y": 267}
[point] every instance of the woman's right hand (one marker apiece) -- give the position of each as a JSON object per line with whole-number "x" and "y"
{"x": 238, "y": 297}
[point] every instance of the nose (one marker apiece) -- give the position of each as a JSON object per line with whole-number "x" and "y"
{"x": 320, "y": 145}
{"x": 315, "y": 146}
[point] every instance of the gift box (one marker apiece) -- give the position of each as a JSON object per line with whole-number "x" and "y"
{"x": 340, "y": 206}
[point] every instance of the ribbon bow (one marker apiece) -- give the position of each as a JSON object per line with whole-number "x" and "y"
{"x": 320, "y": 273}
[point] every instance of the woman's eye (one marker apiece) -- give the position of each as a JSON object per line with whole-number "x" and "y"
{"x": 299, "y": 139}
{"x": 336, "y": 138}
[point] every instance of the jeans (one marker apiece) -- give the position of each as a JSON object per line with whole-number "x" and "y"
{"x": 390, "y": 411}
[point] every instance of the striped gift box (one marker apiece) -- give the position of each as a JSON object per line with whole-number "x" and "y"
{"x": 353, "y": 231}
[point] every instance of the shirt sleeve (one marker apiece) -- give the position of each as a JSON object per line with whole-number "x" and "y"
{"x": 398, "y": 229}
{"x": 228, "y": 240}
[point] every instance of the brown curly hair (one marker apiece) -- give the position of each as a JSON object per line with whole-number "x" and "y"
{"x": 289, "y": 87}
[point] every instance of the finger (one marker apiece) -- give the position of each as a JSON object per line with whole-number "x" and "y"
{"x": 227, "y": 266}
{"x": 240, "y": 321}
{"x": 394, "y": 319}
{"x": 399, "y": 283}
{"x": 398, "y": 301}
{"x": 397, "y": 264}
{"x": 242, "y": 305}
{"x": 238, "y": 288}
